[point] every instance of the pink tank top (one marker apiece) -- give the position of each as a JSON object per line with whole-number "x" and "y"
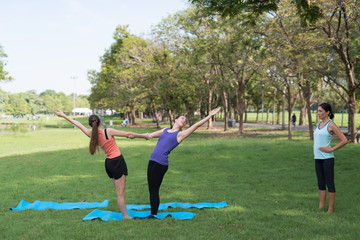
{"x": 109, "y": 146}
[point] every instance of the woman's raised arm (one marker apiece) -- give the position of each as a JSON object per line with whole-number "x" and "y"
{"x": 84, "y": 129}
{"x": 156, "y": 134}
{"x": 184, "y": 134}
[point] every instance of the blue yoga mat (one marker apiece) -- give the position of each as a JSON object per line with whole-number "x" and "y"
{"x": 164, "y": 206}
{"x": 116, "y": 216}
{"x": 40, "y": 205}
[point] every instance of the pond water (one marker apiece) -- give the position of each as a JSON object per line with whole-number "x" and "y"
{"x": 18, "y": 128}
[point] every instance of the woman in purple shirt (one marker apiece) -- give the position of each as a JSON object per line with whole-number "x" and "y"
{"x": 158, "y": 164}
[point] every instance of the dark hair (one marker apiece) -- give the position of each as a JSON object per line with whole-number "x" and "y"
{"x": 327, "y": 108}
{"x": 94, "y": 122}
{"x": 178, "y": 116}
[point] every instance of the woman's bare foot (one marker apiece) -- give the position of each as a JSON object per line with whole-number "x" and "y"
{"x": 330, "y": 210}
{"x": 127, "y": 217}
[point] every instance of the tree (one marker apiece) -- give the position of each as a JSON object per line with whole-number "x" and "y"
{"x": 4, "y": 75}
{"x": 129, "y": 87}
{"x": 297, "y": 49}
{"x": 243, "y": 55}
{"x": 162, "y": 80}
{"x": 103, "y": 94}
{"x": 337, "y": 20}
{"x": 307, "y": 10}
{"x": 4, "y": 98}
{"x": 51, "y": 104}
{"x": 48, "y": 92}
{"x": 183, "y": 35}
{"x": 121, "y": 84}
{"x": 82, "y": 101}
{"x": 66, "y": 102}
{"x": 340, "y": 22}
{"x": 235, "y": 7}
{"x": 17, "y": 105}
{"x": 34, "y": 101}
{"x": 203, "y": 47}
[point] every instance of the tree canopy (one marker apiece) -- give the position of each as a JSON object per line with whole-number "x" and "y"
{"x": 4, "y": 75}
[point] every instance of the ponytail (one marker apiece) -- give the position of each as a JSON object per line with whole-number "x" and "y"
{"x": 94, "y": 122}
{"x": 327, "y": 108}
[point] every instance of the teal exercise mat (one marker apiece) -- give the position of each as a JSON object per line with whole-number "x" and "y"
{"x": 116, "y": 216}
{"x": 164, "y": 206}
{"x": 40, "y": 205}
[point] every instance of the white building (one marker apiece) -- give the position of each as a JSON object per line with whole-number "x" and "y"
{"x": 82, "y": 111}
{"x": 103, "y": 112}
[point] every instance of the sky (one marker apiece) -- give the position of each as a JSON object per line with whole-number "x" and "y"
{"x": 52, "y": 44}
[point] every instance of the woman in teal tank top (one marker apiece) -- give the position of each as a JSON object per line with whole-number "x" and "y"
{"x": 324, "y": 156}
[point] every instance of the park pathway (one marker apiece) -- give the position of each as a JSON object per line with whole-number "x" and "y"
{"x": 276, "y": 126}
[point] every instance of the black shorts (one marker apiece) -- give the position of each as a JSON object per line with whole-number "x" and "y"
{"x": 116, "y": 167}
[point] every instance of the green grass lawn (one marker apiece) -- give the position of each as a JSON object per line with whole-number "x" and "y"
{"x": 268, "y": 182}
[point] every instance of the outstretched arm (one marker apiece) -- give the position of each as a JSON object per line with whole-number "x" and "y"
{"x": 116, "y": 133}
{"x": 184, "y": 134}
{"x": 334, "y": 129}
{"x": 84, "y": 129}
{"x": 156, "y": 134}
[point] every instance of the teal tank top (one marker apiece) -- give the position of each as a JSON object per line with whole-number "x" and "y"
{"x": 322, "y": 138}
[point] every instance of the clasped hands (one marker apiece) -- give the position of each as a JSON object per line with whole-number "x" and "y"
{"x": 147, "y": 136}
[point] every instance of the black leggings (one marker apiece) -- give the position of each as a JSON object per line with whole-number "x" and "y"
{"x": 325, "y": 174}
{"x": 155, "y": 175}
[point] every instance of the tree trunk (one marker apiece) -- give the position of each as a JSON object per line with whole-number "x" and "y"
{"x": 257, "y": 114}
{"x": 291, "y": 105}
{"x": 241, "y": 104}
{"x": 352, "y": 102}
{"x": 302, "y": 104}
{"x": 274, "y": 106}
{"x": 170, "y": 118}
{"x": 268, "y": 113}
{"x": 306, "y": 90}
{"x": 236, "y": 115}
{"x": 246, "y": 113}
{"x": 319, "y": 101}
{"x": 290, "y": 114}
{"x": 283, "y": 109}
{"x": 132, "y": 115}
{"x": 156, "y": 116}
{"x": 211, "y": 91}
{"x": 225, "y": 107}
{"x": 190, "y": 116}
{"x": 230, "y": 105}
{"x": 352, "y": 113}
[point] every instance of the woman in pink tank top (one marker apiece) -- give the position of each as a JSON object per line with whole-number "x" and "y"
{"x": 114, "y": 163}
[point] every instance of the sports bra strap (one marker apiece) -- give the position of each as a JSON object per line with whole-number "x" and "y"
{"x": 106, "y": 134}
